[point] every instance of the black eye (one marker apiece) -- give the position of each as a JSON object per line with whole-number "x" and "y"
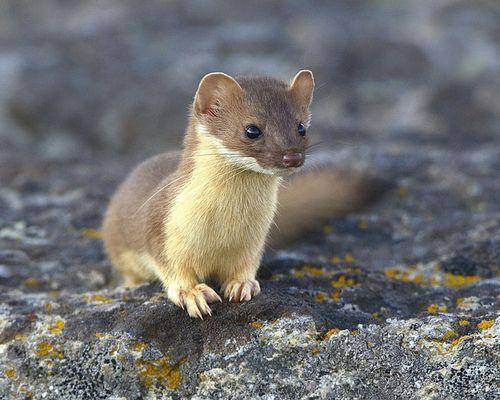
{"x": 252, "y": 132}
{"x": 301, "y": 129}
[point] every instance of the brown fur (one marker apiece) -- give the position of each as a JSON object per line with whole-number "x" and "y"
{"x": 205, "y": 214}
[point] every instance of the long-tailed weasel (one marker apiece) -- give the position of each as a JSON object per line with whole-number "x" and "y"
{"x": 205, "y": 214}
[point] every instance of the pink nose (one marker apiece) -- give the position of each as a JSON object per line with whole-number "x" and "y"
{"x": 293, "y": 159}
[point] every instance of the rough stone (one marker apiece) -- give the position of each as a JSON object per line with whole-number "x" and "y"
{"x": 399, "y": 300}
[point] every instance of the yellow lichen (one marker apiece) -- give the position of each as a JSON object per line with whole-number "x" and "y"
{"x": 320, "y": 297}
{"x": 160, "y": 372}
{"x": 363, "y": 224}
{"x": 47, "y": 349}
{"x": 314, "y": 271}
{"x": 451, "y": 280}
{"x": 256, "y": 324}
{"x": 10, "y": 373}
{"x": 48, "y": 307}
{"x": 448, "y": 335}
{"x": 376, "y": 315}
{"x": 327, "y": 229}
{"x": 91, "y": 233}
{"x": 99, "y": 335}
{"x": 298, "y": 274}
{"x": 335, "y": 260}
{"x": 98, "y": 298}
{"x": 57, "y": 327}
{"x": 342, "y": 281}
{"x": 20, "y": 336}
{"x": 463, "y": 322}
{"x": 434, "y": 308}
{"x": 348, "y": 258}
{"x": 139, "y": 346}
{"x": 486, "y": 324}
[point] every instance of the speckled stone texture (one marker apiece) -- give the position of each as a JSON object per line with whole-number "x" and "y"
{"x": 398, "y": 301}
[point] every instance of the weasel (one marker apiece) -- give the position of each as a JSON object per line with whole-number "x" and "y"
{"x": 204, "y": 214}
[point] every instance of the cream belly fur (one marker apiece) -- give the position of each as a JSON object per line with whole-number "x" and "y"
{"x": 217, "y": 224}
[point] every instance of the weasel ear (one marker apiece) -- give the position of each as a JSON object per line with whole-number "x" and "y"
{"x": 212, "y": 88}
{"x": 302, "y": 87}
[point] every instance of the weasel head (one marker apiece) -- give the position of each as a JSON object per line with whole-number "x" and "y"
{"x": 258, "y": 123}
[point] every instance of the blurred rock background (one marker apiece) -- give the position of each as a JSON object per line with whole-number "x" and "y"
{"x": 117, "y": 76}
{"x": 399, "y": 300}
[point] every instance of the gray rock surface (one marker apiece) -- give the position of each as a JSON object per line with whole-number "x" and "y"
{"x": 398, "y": 301}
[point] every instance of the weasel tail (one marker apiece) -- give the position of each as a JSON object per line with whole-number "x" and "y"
{"x": 311, "y": 197}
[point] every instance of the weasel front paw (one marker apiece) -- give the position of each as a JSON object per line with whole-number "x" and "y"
{"x": 194, "y": 300}
{"x": 241, "y": 290}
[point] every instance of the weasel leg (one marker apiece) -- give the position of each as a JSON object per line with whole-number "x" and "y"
{"x": 194, "y": 300}
{"x": 240, "y": 290}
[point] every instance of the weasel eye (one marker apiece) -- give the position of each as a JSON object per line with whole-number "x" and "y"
{"x": 252, "y": 132}
{"x": 301, "y": 129}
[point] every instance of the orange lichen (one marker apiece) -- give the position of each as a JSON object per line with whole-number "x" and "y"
{"x": 160, "y": 372}
{"x": 342, "y": 281}
{"x": 335, "y": 295}
{"x": 320, "y": 297}
{"x": 91, "y": 233}
{"x": 463, "y": 322}
{"x": 32, "y": 282}
{"x": 486, "y": 324}
{"x": 314, "y": 350}
{"x": 46, "y": 349}
{"x": 402, "y": 191}
{"x": 57, "y": 327}
{"x": 99, "y": 335}
{"x": 256, "y": 324}
{"x": 331, "y": 332}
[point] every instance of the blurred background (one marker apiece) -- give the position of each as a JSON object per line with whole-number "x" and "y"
{"x": 116, "y": 77}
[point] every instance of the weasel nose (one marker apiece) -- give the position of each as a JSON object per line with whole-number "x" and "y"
{"x": 293, "y": 159}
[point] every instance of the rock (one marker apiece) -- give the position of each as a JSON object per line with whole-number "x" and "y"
{"x": 399, "y": 300}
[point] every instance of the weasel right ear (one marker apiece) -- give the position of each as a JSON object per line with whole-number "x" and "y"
{"x": 212, "y": 88}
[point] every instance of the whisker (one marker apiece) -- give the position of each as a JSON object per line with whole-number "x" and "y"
{"x": 156, "y": 193}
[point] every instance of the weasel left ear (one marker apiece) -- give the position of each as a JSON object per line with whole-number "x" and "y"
{"x": 302, "y": 87}
{"x": 212, "y": 88}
